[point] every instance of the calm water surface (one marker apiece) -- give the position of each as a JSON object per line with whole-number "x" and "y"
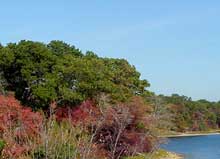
{"x": 200, "y": 147}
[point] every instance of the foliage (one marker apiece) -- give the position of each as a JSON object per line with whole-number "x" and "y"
{"x": 18, "y": 125}
{"x": 115, "y": 129}
{"x": 63, "y": 140}
{"x": 191, "y": 115}
{"x": 92, "y": 132}
{"x": 40, "y": 74}
{"x": 26, "y": 134}
{"x": 162, "y": 116}
{"x": 60, "y": 48}
{"x": 3, "y": 84}
{"x": 2, "y": 145}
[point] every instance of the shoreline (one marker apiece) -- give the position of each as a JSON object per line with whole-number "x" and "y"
{"x": 190, "y": 134}
{"x": 157, "y": 154}
{"x": 164, "y": 154}
{"x": 173, "y": 155}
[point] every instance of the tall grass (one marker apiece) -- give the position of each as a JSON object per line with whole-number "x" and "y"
{"x": 63, "y": 141}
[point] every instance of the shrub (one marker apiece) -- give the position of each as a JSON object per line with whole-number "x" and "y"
{"x": 18, "y": 125}
{"x": 120, "y": 130}
{"x": 85, "y": 114}
{"x": 118, "y": 133}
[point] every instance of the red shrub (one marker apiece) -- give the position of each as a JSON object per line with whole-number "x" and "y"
{"x": 84, "y": 113}
{"x": 18, "y": 124}
{"x": 120, "y": 129}
{"x": 119, "y": 135}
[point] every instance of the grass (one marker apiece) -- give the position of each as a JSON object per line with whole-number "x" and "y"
{"x": 156, "y": 155}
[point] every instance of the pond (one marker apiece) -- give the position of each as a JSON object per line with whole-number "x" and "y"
{"x": 199, "y": 147}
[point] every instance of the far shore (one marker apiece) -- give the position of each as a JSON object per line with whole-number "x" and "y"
{"x": 190, "y": 134}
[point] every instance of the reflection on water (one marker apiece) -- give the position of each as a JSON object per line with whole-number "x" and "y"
{"x": 200, "y": 147}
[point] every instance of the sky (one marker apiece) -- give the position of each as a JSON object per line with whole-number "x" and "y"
{"x": 175, "y": 45}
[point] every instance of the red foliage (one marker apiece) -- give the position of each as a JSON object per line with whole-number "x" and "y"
{"x": 86, "y": 112}
{"x": 17, "y": 125}
{"x": 119, "y": 135}
{"x": 139, "y": 111}
{"x": 120, "y": 130}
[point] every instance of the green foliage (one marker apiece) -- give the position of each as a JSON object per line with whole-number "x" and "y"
{"x": 40, "y": 74}
{"x": 140, "y": 125}
{"x": 2, "y": 145}
{"x": 25, "y": 67}
{"x": 60, "y": 48}
{"x": 3, "y": 83}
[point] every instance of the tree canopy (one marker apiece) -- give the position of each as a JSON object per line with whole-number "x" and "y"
{"x": 40, "y": 73}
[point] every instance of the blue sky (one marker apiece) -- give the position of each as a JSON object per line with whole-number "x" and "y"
{"x": 174, "y": 44}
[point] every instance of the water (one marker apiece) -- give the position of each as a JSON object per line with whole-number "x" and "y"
{"x": 199, "y": 147}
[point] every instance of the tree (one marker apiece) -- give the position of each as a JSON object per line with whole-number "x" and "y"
{"x": 40, "y": 74}
{"x": 26, "y": 66}
{"x": 60, "y": 48}
{"x": 125, "y": 78}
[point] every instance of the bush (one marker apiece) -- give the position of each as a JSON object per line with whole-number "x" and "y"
{"x": 118, "y": 133}
{"x": 120, "y": 130}
{"x": 85, "y": 131}
{"x": 26, "y": 134}
{"x": 18, "y": 125}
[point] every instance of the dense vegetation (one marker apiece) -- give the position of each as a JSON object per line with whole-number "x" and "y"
{"x": 191, "y": 115}
{"x": 40, "y": 74}
{"x": 57, "y": 102}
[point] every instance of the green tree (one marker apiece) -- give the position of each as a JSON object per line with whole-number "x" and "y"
{"x": 41, "y": 73}
{"x": 61, "y": 48}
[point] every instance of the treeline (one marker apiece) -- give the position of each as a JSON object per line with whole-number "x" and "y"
{"x": 189, "y": 115}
